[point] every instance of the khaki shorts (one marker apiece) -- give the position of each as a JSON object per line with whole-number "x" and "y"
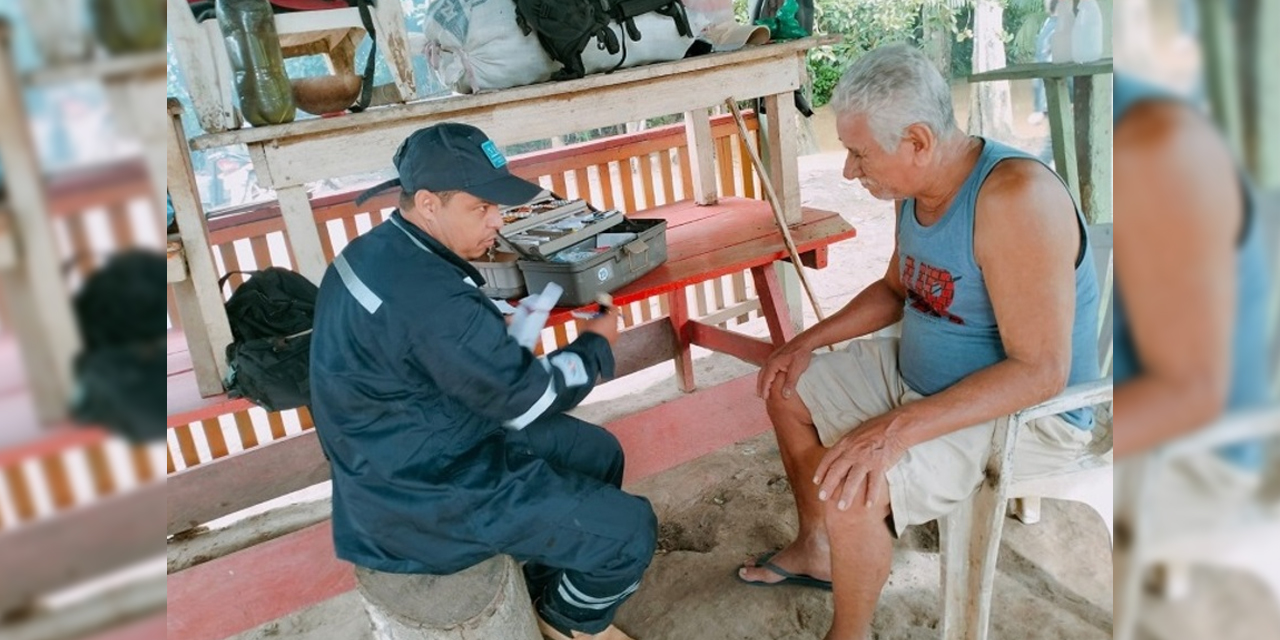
{"x": 846, "y": 388}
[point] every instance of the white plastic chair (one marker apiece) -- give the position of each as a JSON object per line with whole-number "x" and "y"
{"x": 971, "y": 535}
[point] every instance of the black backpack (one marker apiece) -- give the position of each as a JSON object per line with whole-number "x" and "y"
{"x": 270, "y": 356}
{"x": 119, "y": 373}
{"x": 565, "y": 26}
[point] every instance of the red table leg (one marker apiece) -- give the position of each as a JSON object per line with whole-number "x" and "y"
{"x": 678, "y": 304}
{"x": 773, "y": 304}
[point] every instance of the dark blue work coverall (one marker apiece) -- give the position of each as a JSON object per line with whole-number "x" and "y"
{"x": 447, "y": 440}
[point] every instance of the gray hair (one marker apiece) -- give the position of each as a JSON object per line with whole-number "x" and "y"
{"x": 896, "y": 86}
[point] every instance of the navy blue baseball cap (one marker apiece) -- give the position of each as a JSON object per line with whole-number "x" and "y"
{"x": 451, "y": 156}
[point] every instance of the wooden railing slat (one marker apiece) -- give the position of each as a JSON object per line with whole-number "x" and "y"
{"x": 104, "y": 483}
{"x": 186, "y": 445}
{"x": 244, "y": 425}
{"x": 212, "y": 429}
{"x": 24, "y": 506}
{"x": 54, "y": 469}
{"x": 646, "y": 179}
{"x": 686, "y": 174}
{"x": 668, "y": 181}
{"x": 604, "y": 173}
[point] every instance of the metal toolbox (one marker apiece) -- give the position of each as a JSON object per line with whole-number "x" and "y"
{"x": 553, "y": 225}
{"x": 637, "y": 247}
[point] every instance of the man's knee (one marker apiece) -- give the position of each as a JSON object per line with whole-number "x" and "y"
{"x": 786, "y": 407}
{"x": 857, "y": 512}
{"x": 643, "y": 523}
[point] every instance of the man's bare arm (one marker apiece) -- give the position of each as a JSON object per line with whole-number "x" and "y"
{"x": 1180, "y": 198}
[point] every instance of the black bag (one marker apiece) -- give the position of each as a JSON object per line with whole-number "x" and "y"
{"x": 564, "y": 27}
{"x": 119, "y": 373}
{"x": 270, "y": 356}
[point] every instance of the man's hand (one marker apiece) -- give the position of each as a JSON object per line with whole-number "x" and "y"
{"x": 855, "y": 468}
{"x": 784, "y": 366}
{"x": 605, "y": 324}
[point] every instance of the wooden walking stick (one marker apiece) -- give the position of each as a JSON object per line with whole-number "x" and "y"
{"x": 777, "y": 208}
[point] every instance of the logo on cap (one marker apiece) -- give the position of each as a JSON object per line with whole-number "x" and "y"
{"x": 495, "y": 157}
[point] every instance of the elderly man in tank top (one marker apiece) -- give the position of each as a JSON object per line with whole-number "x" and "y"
{"x": 993, "y": 281}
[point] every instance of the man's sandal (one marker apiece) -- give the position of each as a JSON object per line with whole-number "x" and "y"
{"x": 796, "y": 579}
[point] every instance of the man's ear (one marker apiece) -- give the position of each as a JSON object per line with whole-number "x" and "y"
{"x": 426, "y": 202}
{"x": 921, "y": 138}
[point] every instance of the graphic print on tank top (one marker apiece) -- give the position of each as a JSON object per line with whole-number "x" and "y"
{"x": 930, "y": 290}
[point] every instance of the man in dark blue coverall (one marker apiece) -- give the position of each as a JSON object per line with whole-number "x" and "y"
{"x": 447, "y": 439}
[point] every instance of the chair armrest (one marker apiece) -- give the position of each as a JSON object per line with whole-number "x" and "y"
{"x": 1233, "y": 428}
{"x": 1076, "y": 396}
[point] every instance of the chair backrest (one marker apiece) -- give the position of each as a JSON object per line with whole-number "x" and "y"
{"x": 1100, "y": 236}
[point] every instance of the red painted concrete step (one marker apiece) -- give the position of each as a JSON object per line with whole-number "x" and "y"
{"x": 241, "y": 591}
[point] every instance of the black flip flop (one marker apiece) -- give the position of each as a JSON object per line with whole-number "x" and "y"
{"x": 788, "y": 578}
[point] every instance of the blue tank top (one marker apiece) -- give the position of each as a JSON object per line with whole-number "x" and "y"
{"x": 949, "y": 327}
{"x": 1249, "y": 377}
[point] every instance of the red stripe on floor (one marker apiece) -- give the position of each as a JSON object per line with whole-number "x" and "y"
{"x": 676, "y": 432}
{"x": 238, "y": 592}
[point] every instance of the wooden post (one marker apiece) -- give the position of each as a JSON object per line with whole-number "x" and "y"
{"x": 1093, "y": 143}
{"x": 206, "y": 69}
{"x": 781, "y": 136}
{"x": 204, "y": 320}
{"x": 488, "y": 601}
{"x": 304, "y": 237}
{"x": 1218, "y": 42}
{"x": 394, "y": 46}
{"x": 1062, "y": 131}
{"x": 135, "y": 103}
{"x": 35, "y": 290}
{"x": 678, "y": 305}
{"x": 1267, "y": 83}
{"x": 702, "y": 156}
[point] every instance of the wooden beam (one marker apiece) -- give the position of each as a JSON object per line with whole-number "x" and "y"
{"x": 35, "y": 290}
{"x": 176, "y": 262}
{"x": 773, "y": 305}
{"x": 1044, "y": 70}
{"x": 297, "y": 158}
{"x": 743, "y": 347}
{"x": 83, "y": 543}
{"x": 711, "y": 67}
{"x": 204, "y": 319}
{"x": 227, "y": 485}
{"x": 643, "y": 346}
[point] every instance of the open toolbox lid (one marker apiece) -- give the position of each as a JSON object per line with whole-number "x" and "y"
{"x": 541, "y": 228}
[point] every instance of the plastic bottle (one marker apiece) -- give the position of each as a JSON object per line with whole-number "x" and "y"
{"x": 1086, "y": 36}
{"x": 249, "y": 29}
{"x": 531, "y": 316}
{"x": 129, "y": 26}
{"x": 1060, "y": 42}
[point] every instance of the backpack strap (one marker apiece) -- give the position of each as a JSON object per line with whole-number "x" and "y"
{"x": 223, "y": 279}
{"x": 366, "y": 85}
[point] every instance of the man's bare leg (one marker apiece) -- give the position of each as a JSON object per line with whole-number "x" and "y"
{"x": 801, "y": 451}
{"x": 861, "y": 556}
